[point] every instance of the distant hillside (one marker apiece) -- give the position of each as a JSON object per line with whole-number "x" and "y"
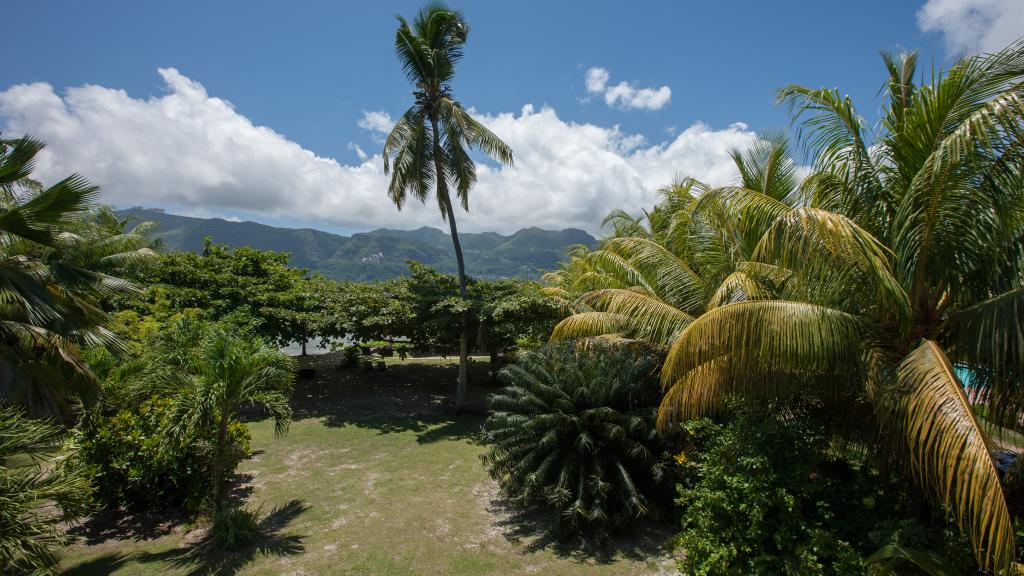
{"x": 377, "y": 254}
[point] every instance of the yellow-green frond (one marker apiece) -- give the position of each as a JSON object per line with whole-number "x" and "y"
{"x": 949, "y": 453}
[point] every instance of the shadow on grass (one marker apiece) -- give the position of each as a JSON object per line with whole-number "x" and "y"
{"x": 393, "y": 401}
{"x": 205, "y": 558}
{"x": 529, "y": 528}
{"x": 127, "y": 525}
{"x": 99, "y": 566}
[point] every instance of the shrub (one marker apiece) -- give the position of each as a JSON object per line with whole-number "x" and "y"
{"x": 764, "y": 494}
{"x": 133, "y": 462}
{"x": 574, "y": 431}
{"x": 768, "y": 502}
{"x": 235, "y": 528}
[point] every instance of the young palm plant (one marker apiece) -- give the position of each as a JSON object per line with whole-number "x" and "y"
{"x": 427, "y": 148}
{"x": 29, "y": 481}
{"x": 220, "y": 373}
{"x": 574, "y": 429}
{"x": 902, "y": 256}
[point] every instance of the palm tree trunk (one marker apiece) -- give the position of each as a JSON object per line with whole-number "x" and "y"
{"x": 217, "y": 467}
{"x": 442, "y": 194}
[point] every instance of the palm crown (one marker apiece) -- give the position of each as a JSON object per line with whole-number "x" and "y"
{"x": 900, "y": 255}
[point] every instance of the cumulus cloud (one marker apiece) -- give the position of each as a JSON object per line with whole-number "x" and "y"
{"x": 597, "y": 79}
{"x": 190, "y": 151}
{"x": 378, "y": 122}
{"x": 625, "y": 95}
{"x": 972, "y": 26}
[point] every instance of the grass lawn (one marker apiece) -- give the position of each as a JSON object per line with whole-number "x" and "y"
{"x": 374, "y": 478}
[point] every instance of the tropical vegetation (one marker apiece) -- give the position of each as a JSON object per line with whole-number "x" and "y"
{"x": 815, "y": 369}
{"x": 863, "y": 285}
{"x": 427, "y": 147}
{"x": 573, "y": 430}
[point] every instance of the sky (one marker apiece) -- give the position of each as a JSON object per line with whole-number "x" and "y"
{"x": 276, "y": 111}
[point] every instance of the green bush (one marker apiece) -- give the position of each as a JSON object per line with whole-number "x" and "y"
{"x": 574, "y": 431}
{"x": 769, "y": 502}
{"x": 133, "y": 462}
{"x": 764, "y": 494}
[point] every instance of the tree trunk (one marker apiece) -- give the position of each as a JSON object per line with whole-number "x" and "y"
{"x": 217, "y": 467}
{"x": 445, "y": 200}
{"x": 494, "y": 364}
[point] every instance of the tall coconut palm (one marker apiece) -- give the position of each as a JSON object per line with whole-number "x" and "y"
{"x": 903, "y": 257}
{"x": 427, "y": 148}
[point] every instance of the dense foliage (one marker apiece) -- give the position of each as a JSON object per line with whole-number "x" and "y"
{"x": 574, "y": 431}
{"x": 860, "y": 285}
{"x": 132, "y": 462}
{"x": 768, "y": 496}
{"x": 59, "y": 260}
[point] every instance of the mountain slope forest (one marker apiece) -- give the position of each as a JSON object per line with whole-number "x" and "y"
{"x": 375, "y": 255}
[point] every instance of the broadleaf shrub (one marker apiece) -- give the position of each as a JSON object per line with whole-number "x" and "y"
{"x": 133, "y": 463}
{"x": 573, "y": 430}
{"x": 766, "y": 494}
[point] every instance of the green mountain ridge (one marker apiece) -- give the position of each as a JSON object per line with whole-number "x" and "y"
{"x": 377, "y": 254}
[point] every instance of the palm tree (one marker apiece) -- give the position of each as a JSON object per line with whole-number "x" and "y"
{"x": 654, "y": 275}
{"x": 29, "y": 482}
{"x": 55, "y": 272}
{"x": 215, "y": 372}
{"x": 901, "y": 258}
{"x": 427, "y": 148}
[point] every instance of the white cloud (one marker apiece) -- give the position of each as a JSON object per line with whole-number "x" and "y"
{"x": 358, "y": 150}
{"x": 625, "y": 95}
{"x": 190, "y": 151}
{"x": 379, "y": 122}
{"x": 972, "y": 26}
{"x": 597, "y": 79}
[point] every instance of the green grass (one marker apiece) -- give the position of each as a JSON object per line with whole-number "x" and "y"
{"x": 393, "y": 493}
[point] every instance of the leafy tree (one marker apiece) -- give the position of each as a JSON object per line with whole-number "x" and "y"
{"x": 574, "y": 430}
{"x": 427, "y": 148}
{"x": 899, "y": 257}
{"x": 214, "y": 377}
{"x": 28, "y": 533}
{"x": 509, "y": 311}
{"x": 254, "y": 290}
{"x": 379, "y": 310}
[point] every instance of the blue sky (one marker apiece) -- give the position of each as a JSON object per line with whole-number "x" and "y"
{"x": 85, "y": 77}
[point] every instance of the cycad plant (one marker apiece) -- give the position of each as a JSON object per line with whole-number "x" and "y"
{"x": 30, "y": 481}
{"x": 574, "y": 430}
{"x": 428, "y": 146}
{"x": 898, "y": 259}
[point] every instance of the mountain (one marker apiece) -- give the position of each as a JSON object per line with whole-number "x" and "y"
{"x": 376, "y": 254}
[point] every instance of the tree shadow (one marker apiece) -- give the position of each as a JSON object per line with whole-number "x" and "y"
{"x": 120, "y": 524}
{"x": 205, "y": 558}
{"x": 393, "y": 400}
{"x": 529, "y": 528}
{"x": 99, "y": 566}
